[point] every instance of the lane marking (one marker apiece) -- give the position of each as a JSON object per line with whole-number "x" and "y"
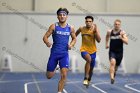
{"x": 25, "y": 88}
{"x": 65, "y": 91}
{"x": 131, "y": 88}
{"x": 99, "y": 89}
{"x": 36, "y": 84}
{"x": 29, "y": 83}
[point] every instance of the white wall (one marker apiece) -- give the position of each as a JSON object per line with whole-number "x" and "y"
{"x": 95, "y": 6}
{"x": 51, "y": 6}
{"x": 123, "y": 6}
{"x": 20, "y": 5}
{"x": 26, "y": 56}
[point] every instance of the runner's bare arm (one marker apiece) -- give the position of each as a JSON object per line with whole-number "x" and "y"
{"x": 124, "y": 37}
{"x": 78, "y": 31}
{"x": 47, "y": 35}
{"x": 73, "y": 36}
{"x": 97, "y": 34}
{"x": 107, "y": 39}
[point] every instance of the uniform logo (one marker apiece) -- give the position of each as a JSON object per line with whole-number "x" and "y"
{"x": 62, "y": 33}
{"x": 115, "y": 37}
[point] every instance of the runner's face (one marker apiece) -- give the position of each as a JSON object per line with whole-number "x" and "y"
{"x": 117, "y": 25}
{"x": 62, "y": 17}
{"x": 88, "y": 22}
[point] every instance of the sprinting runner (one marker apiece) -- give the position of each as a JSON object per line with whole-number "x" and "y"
{"x": 117, "y": 37}
{"x": 60, "y": 32}
{"x": 88, "y": 49}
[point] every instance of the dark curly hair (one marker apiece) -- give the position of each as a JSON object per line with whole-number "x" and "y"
{"x": 89, "y": 17}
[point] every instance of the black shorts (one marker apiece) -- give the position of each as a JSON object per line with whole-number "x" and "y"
{"x": 117, "y": 56}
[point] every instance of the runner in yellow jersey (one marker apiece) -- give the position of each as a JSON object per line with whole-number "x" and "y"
{"x": 88, "y": 49}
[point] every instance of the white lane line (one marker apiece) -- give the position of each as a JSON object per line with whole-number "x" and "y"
{"x": 29, "y": 83}
{"x": 99, "y": 83}
{"x": 99, "y": 89}
{"x": 25, "y": 88}
{"x": 131, "y": 88}
{"x": 36, "y": 83}
{"x": 122, "y": 89}
{"x": 11, "y": 81}
{"x": 65, "y": 91}
{"x": 37, "y": 86}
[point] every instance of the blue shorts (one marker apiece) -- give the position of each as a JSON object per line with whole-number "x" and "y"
{"x": 93, "y": 57}
{"x": 58, "y": 58}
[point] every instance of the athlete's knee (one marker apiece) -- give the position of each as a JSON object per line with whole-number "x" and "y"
{"x": 112, "y": 64}
{"x": 88, "y": 58}
{"x": 112, "y": 60}
{"x": 88, "y": 61}
{"x": 49, "y": 75}
{"x": 63, "y": 76}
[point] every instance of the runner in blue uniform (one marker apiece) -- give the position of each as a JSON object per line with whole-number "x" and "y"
{"x": 60, "y": 32}
{"x": 117, "y": 37}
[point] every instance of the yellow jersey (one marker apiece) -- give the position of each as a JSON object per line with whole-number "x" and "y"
{"x": 88, "y": 40}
